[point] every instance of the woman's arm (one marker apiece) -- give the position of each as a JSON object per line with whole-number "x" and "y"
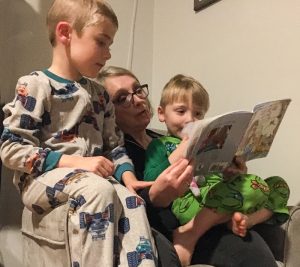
{"x": 171, "y": 183}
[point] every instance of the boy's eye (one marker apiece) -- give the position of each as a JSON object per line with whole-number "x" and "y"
{"x": 180, "y": 111}
{"x": 102, "y": 43}
{"x": 199, "y": 115}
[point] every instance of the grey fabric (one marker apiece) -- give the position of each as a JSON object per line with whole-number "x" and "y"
{"x": 51, "y": 250}
{"x": 47, "y": 248}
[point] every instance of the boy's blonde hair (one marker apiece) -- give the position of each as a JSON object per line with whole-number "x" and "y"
{"x": 79, "y": 13}
{"x": 178, "y": 89}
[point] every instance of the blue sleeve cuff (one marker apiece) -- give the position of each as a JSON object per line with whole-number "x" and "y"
{"x": 51, "y": 160}
{"x": 121, "y": 169}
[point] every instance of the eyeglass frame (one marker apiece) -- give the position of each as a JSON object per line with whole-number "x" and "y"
{"x": 129, "y": 99}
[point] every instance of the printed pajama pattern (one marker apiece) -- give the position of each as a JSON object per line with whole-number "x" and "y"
{"x": 107, "y": 224}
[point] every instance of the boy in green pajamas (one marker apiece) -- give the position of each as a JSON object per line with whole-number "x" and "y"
{"x": 242, "y": 202}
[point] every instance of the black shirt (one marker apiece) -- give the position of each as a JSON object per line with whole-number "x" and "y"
{"x": 161, "y": 219}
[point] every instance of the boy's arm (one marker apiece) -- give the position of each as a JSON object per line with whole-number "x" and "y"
{"x": 180, "y": 150}
{"x": 98, "y": 164}
{"x": 113, "y": 139}
{"x": 156, "y": 160}
{"x": 20, "y": 147}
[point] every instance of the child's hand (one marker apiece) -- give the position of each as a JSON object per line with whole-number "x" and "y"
{"x": 179, "y": 152}
{"x": 237, "y": 167}
{"x": 98, "y": 165}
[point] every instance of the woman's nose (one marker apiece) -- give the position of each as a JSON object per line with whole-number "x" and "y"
{"x": 137, "y": 100}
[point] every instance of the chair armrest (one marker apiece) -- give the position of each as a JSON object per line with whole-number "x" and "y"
{"x": 284, "y": 240}
{"x": 292, "y": 239}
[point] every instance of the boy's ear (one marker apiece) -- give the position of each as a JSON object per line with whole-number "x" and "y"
{"x": 161, "y": 114}
{"x": 63, "y": 32}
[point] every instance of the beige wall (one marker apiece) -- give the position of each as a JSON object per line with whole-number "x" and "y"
{"x": 244, "y": 52}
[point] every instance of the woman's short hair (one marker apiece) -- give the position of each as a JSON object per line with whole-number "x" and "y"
{"x": 79, "y": 13}
{"x": 114, "y": 71}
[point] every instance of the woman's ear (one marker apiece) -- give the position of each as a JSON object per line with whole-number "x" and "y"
{"x": 63, "y": 32}
{"x": 161, "y": 114}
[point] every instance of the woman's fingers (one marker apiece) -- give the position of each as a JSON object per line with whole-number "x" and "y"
{"x": 142, "y": 184}
{"x": 180, "y": 175}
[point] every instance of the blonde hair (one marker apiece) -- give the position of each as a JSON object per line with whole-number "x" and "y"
{"x": 179, "y": 87}
{"x": 79, "y": 13}
{"x": 113, "y": 71}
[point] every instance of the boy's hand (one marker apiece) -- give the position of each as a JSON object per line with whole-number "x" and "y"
{"x": 98, "y": 165}
{"x": 237, "y": 167}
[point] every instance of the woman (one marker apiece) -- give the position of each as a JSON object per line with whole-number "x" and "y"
{"x": 219, "y": 246}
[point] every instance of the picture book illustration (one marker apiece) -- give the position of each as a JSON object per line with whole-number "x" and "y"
{"x": 214, "y": 142}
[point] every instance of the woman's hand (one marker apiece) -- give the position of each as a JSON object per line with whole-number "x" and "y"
{"x": 171, "y": 183}
{"x": 132, "y": 183}
{"x": 237, "y": 167}
{"x": 134, "y": 186}
{"x": 98, "y": 165}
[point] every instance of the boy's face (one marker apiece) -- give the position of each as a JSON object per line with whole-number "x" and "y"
{"x": 90, "y": 50}
{"x": 178, "y": 114}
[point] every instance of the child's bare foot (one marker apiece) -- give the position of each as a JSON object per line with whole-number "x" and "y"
{"x": 239, "y": 224}
{"x": 184, "y": 244}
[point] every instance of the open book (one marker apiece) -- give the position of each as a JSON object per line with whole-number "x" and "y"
{"x": 213, "y": 142}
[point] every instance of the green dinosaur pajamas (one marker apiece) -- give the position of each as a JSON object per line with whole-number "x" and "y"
{"x": 246, "y": 193}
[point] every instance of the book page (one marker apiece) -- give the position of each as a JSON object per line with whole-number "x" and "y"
{"x": 262, "y": 128}
{"x": 213, "y": 142}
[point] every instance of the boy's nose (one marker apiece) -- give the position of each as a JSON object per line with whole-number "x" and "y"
{"x": 107, "y": 55}
{"x": 189, "y": 117}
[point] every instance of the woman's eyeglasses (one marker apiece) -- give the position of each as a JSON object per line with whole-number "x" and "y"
{"x": 126, "y": 99}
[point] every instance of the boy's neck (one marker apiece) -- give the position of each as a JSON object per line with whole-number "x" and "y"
{"x": 64, "y": 74}
{"x": 61, "y": 67}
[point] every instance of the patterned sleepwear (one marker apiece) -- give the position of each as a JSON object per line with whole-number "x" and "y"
{"x": 51, "y": 116}
{"x": 246, "y": 193}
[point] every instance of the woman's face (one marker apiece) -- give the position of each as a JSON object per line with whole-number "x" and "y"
{"x": 137, "y": 114}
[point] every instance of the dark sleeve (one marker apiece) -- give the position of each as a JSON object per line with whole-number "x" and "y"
{"x": 161, "y": 219}
{"x": 156, "y": 160}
